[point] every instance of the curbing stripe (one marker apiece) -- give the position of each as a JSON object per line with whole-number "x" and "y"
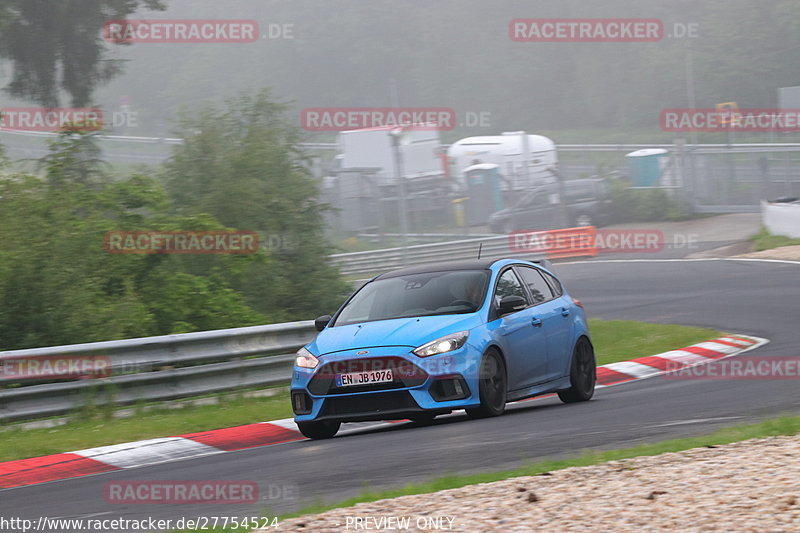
{"x": 729, "y": 343}
{"x": 741, "y": 340}
{"x": 242, "y": 437}
{"x": 655, "y": 361}
{"x": 606, "y": 376}
{"x": 705, "y": 352}
{"x": 147, "y": 452}
{"x": 717, "y": 347}
{"x": 49, "y": 468}
{"x": 153, "y": 451}
{"x": 685, "y": 357}
{"x": 633, "y": 368}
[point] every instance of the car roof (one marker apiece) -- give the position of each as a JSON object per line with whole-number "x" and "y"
{"x": 444, "y": 266}
{"x": 469, "y": 264}
{"x": 569, "y": 184}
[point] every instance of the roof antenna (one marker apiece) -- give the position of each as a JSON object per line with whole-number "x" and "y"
{"x": 480, "y": 247}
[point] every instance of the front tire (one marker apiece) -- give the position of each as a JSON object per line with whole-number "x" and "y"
{"x": 582, "y": 374}
{"x": 322, "y": 429}
{"x": 492, "y": 387}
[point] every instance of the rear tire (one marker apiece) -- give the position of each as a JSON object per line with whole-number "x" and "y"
{"x": 322, "y": 429}
{"x": 492, "y": 386}
{"x": 582, "y": 374}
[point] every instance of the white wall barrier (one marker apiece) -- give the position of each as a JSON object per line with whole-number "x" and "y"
{"x": 782, "y": 218}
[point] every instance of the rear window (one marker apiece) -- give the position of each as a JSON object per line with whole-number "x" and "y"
{"x": 555, "y": 285}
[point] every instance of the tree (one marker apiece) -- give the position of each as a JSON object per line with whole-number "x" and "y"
{"x": 58, "y": 285}
{"x": 243, "y": 166}
{"x": 53, "y": 45}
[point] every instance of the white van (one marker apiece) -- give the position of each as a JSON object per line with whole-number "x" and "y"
{"x": 508, "y": 152}
{"x": 372, "y": 148}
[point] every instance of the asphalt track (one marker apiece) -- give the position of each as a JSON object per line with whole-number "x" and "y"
{"x": 750, "y": 297}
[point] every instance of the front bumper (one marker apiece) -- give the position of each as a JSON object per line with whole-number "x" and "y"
{"x": 436, "y": 384}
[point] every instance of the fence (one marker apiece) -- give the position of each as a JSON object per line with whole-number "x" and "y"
{"x": 716, "y": 177}
{"x": 713, "y": 178}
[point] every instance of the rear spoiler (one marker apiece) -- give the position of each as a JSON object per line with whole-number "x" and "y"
{"x": 543, "y": 263}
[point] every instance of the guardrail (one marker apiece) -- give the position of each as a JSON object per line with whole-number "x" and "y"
{"x": 375, "y": 261}
{"x": 609, "y": 147}
{"x": 155, "y": 368}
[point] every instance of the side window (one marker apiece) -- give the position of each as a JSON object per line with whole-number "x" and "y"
{"x": 537, "y": 286}
{"x": 508, "y": 285}
{"x": 558, "y": 290}
{"x": 539, "y": 200}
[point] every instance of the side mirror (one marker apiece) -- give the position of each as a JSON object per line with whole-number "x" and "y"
{"x": 511, "y": 304}
{"x": 321, "y": 322}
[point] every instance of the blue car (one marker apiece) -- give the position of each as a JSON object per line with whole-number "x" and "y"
{"x": 423, "y": 341}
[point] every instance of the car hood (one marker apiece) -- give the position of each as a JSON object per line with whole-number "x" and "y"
{"x": 411, "y": 332}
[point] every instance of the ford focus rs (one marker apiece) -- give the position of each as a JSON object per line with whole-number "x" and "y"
{"x": 423, "y": 341}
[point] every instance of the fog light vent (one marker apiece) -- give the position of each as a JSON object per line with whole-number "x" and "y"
{"x": 301, "y": 403}
{"x": 445, "y": 389}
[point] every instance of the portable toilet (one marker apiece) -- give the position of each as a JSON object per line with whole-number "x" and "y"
{"x": 646, "y": 166}
{"x": 484, "y": 195}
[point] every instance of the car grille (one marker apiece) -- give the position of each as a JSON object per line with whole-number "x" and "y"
{"x": 369, "y": 405}
{"x": 405, "y": 374}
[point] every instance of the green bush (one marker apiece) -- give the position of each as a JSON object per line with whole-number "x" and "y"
{"x": 646, "y": 205}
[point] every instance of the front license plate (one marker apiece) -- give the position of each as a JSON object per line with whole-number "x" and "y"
{"x": 364, "y": 378}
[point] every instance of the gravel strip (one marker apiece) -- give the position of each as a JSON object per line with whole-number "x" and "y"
{"x": 749, "y": 486}
{"x": 787, "y": 253}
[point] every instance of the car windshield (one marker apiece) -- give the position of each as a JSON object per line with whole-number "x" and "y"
{"x": 525, "y": 200}
{"x": 421, "y": 294}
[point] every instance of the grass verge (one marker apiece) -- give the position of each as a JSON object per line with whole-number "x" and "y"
{"x": 614, "y": 341}
{"x": 89, "y": 431}
{"x": 764, "y": 240}
{"x": 621, "y": 340}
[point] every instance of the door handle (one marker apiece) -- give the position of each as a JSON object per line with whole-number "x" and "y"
{"x": 564, "y": 311}
{"x": 536, "y": 321}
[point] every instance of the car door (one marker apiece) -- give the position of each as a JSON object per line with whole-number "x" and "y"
{"x": 524, "y": 342}
{"x": 549, "y": 309}
{"x": 542, "y": 212}
{"x": 560, "y": 356}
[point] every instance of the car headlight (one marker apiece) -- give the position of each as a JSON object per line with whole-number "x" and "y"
{"x": 448, "y": 343}
{"x": 305, "y": 359}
